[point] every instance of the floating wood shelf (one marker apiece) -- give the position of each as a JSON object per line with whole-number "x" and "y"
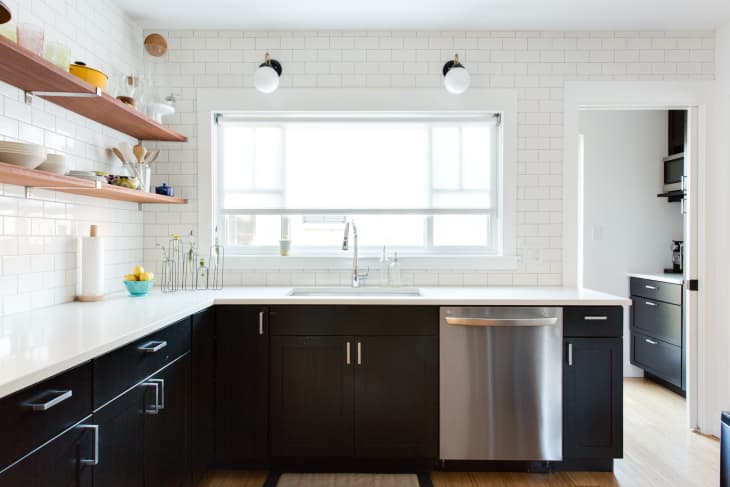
{"x": 31, "y": 73}
{"x": 33, "y": 178}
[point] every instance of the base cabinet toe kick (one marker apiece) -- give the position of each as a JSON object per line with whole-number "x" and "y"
{"x": 329, "y": 388}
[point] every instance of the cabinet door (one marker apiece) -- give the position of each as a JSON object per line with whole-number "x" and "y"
{"x": 592, "y": 398}
{"x": 202, "y": 402}
{"x": 396, "y": 396}
{"x": 121, "y": 438}
{"x": 167, "y": 433}
{"x": 58, "y": 464}
{"x": 241, "y": 392}
{"x": 311, "y": 396}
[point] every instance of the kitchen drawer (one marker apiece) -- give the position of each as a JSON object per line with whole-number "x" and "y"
{"x": 660, "y": 358}
{"x": 593, "y": 321}
{"x": 353, "y": 320}
{"x": 31, "y": 417}
{"x": 121, "y": 369}
{"x": 660, "y": 291}
{"x": 658, "y": 319}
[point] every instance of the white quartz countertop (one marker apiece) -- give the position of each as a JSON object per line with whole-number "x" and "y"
{"x": 659, "y": 276}
{"x": 39, "y": 344}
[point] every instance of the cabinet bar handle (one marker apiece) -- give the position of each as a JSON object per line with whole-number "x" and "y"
{"x": 570, "y": 354}
{"x": 359, "y": 353}
{"x": 154, "y": 409}
{"x": 95, "y": 429}
{"x": 154, "y": 346}
{"x": 653, "y": 288}
{"x": 161, "y": 405}
{"x": 59, "y": 397}
{"x": 261, "y": 322}
{"x": 650, "y": 342}
{"x": 595, "y": 318}
{"x": 347, "y": 359}
{"x": 649, "y": 303}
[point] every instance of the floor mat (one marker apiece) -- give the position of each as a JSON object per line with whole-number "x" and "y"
{"x": 347, "y": 480}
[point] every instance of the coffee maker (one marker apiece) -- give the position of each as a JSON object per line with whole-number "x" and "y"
{"x": 677, "y": 257}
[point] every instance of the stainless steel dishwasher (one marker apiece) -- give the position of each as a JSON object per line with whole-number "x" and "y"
{"x": 501, "y": 383}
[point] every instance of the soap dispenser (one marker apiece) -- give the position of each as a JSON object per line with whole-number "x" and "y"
{"x": 394, "y": 274}
{"x": 384, "y": 268}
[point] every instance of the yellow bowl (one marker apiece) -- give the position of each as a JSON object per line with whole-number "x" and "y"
{"x": 90, "y": 75}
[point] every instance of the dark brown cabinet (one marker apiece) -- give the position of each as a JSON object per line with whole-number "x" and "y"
{"x": 311, "y": 396}
{"x": 64, "y": 462}
{"x": 657, "y": 331}
{"x": 592, "y": 398}
{"x": 241, "y": 387}
{"x": 593, "y": 384}
{"x": 337, "y": 391}
{"x": 203, "y": 392}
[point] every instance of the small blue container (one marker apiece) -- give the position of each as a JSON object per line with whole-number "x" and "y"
{"x": 137, "y": 289}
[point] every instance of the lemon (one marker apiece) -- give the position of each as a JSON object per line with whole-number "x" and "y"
{"x": 146, "y": 276}
{"x": 130, "y": 277}
{"x": 138, "y": 270}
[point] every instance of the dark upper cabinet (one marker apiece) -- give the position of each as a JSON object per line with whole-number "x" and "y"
{"x": 337, "y": 390}
{"x": 241, "y": 386}
{"x": 311, "y": 396}
{"x": 203, "y": 391}
{"x": 167, "y": 432}
{"x": 677, "y": 129}
{"x": 60, "y": 463}
{"x": 395, "y": 396}
{"x": 592, "y": 398}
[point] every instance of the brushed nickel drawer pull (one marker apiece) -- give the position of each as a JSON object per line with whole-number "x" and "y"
{"x": 347, "y": 359}
{"x": 59, "y": 397}
{"x": 595, "y": 318}
{"x": 95, "y": 429}
{"x": 649, "y": 303}
{"x": 155, "y": 408}
{"x": 153, "y": 346}
{"x": 650, "y": 342}
{"x": 162, "y": 392}
{"x": 653, "y": 288}
{"x": 570, "y": 354}
{"x": 359, "y": 353}
{"x": 261, "y": 322}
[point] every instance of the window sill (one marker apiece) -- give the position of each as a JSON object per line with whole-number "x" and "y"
{"x": 460, "y": 262}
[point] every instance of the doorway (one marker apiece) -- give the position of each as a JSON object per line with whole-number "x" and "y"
{"x": 626, "y": 96}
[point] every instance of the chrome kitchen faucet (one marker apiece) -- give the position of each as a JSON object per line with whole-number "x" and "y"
{"x": 356, "y": 275}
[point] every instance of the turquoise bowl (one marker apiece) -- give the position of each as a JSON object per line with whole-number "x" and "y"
{"x": 139, "y": 288}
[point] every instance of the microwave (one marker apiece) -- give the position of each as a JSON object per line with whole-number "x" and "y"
{"x": 673, "y": 172}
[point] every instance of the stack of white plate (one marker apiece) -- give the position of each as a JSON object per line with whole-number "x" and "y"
{"x": 90, "y": 175}
{"x": 56, "y": 163}
{"x": 19, "y": 154}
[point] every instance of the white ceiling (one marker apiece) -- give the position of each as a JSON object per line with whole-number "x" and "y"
{"x": 429, "y": 14}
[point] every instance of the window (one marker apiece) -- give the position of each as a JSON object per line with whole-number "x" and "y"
{"x": 418, "y": 183}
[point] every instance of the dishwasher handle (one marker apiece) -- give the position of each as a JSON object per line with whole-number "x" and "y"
{"x": 494, "y": 322}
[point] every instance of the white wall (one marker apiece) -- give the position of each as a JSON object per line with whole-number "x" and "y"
{"x": 627, "y": 228}
{"x": 536, "y": 64}
{"x": 38, "y": 237}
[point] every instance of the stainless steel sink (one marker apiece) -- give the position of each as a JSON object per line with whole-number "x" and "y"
{"x": 351, "y": 291}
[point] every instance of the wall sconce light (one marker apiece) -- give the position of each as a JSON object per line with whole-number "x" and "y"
{"x": 456, "y": 77}
{"x": 266, "y": 78}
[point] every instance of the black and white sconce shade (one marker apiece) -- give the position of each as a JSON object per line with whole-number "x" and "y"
{"x": 266, "y": 77}
{"x": 456, "y": 77}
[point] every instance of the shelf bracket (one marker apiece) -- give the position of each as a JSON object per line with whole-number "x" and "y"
{"x": 60, "y": 94}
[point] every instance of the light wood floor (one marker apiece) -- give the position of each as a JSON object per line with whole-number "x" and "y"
{"x": 659, "y": 451}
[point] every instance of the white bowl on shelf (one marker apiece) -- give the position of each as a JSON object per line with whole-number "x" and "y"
{"x": 56, "y": 163}
{"x": 19, "y": 154}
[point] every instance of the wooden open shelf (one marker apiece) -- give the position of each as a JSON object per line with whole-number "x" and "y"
{"x": 33, "y": 178}
{"x": 29, "y": 72}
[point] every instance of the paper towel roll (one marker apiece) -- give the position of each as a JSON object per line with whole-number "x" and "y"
{"x": 92, "y": 267}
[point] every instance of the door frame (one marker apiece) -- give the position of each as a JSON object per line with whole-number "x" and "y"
{"x": 632, "y": 95}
